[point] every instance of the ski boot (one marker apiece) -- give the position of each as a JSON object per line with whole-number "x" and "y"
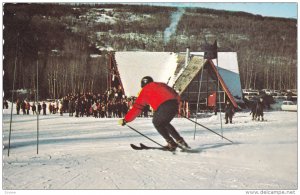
{"x": 171, "y": 145}
{"x": 182, "y": 144}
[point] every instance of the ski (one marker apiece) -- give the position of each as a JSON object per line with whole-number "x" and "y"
{"x": 144, "y": 147}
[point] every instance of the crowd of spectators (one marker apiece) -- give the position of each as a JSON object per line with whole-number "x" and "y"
{"x": 111, "y": 104}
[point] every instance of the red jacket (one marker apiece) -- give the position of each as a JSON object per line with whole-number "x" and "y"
{"x": 153, "y": 94}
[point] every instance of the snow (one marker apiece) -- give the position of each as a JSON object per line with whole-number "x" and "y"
{"x": 134, "y": 17}
{"x": 88, "y": 153}
{"x": 228, "y": 61}
{"x": 106, "y": 19}
{"x": 95, "y": 55}
{"x": 101, "y": 15}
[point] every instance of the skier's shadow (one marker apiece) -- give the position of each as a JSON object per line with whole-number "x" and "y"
{"x": 207, "y": 147}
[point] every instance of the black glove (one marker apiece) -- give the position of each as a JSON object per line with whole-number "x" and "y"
{"x": 122, "y": 122}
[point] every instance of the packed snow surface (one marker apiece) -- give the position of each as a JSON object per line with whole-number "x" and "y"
{"x": 94, "y": 153}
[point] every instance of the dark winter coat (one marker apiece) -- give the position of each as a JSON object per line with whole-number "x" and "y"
{"x": 259, "y": 108}
{"x": 39, "y": 108}
{"x": 229, "y": 109}
{"x": 44, "y": 106}
{"x": 18, "y": 106}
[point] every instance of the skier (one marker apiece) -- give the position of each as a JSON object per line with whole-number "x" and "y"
{"x": 260, "y": 109}
{"x": 257, "y": 110}
{"x": 164, "y": 101}
{"x": 229, "y": 111}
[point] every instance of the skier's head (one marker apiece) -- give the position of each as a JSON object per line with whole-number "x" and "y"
{"x": 145, "y": 80}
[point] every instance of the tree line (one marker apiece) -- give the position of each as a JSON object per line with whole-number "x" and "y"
{"x": 38, "y": 42}
{"x": 60, "y": 43}
{"x": 266, "y": 47}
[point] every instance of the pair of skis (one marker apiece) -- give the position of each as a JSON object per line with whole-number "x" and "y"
{"x": 144, "y": 147}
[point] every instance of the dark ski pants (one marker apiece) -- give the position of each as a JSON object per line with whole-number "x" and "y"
{"x": 228, "y": 116}
{"x": 162, "y": 118}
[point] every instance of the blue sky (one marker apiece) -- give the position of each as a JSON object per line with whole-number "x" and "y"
{"x": 275, "y": 9}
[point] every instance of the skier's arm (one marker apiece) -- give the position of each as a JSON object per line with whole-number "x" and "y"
{"x": 133, "y": 113}
{"x": 137, "y": 108}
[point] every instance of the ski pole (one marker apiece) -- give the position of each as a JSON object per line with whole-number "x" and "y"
{"x": 12, "y": 95}
{"x": 208, "y": 129}
{"x": 144, "y": 135}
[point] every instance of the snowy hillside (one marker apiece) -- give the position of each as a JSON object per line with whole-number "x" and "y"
{"x": 89, "y": 153}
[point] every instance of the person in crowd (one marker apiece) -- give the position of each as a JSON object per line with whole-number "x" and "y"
{"x": 109, "y": 109}
{"x": 119, "y": 108}
{"x": 95, "y": 109}
{"x": 124, "y": 107}
{"x": 44, "y": 106}
{"x": 103, "y": 111}
{"x": 61, "y": 107}
{"x": 146, "y": 111}
{"x": 33, "y": 108}
{"x": 82, "y": 108}
{"x": 50, "y": 107}
{"x": 5, "y": 104}
{"x": 27, "y": 108}
{"x": 39, "y": 108}
{"x": 71, "y": 107}
{"x": 23, "y": 106}
{"x": 77, "y": 108}
{"x": 18, "y": 107}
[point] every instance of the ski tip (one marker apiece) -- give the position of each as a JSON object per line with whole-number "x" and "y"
{"x": 135, "y": 147}
{"x": 132, "y": 146}
{"x": 142, "y": 145}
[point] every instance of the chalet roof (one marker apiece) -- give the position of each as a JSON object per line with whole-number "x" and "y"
{"x": 229, "y": 71}
{"x": 186, "y": 74}
{"x": 133, "y": 66}
{"x": 169, "y": 67}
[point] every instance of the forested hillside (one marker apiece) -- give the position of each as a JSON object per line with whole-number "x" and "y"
{"x": 67, "y": 43}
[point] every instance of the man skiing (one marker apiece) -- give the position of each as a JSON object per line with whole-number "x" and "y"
{"x": 164, "y": 101}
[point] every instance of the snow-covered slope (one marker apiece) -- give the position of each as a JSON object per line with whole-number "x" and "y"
{"x": 89, "y": 153}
